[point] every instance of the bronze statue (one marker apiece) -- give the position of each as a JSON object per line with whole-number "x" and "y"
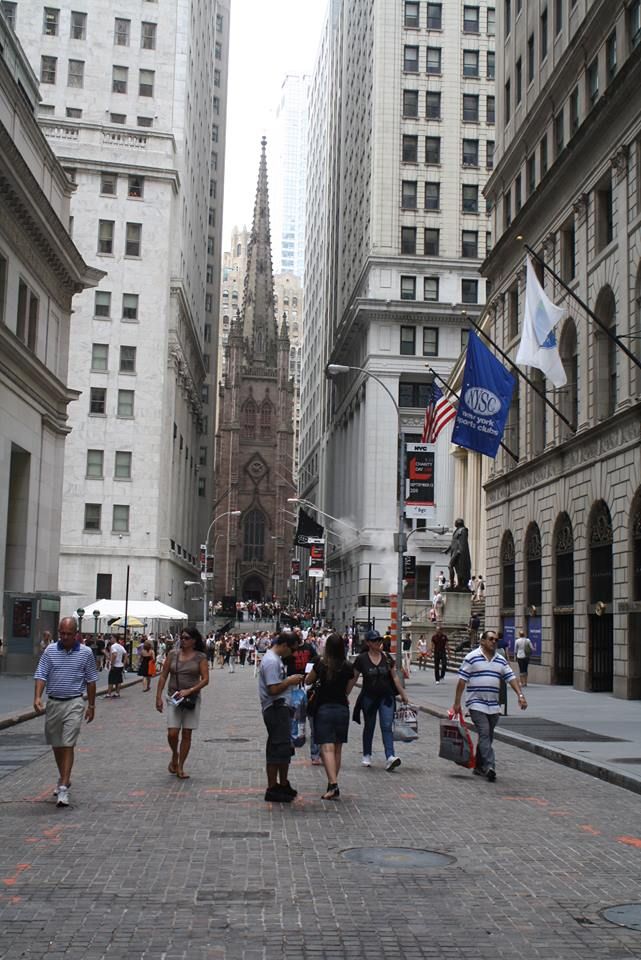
{"x": 460, "y": 562}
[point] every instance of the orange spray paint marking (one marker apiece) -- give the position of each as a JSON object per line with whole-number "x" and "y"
{"x": 630, "y": 841}
{"x": 407, "y": 796}
{"x": 588, "y": 828}
{"x": 20, "y": 868}
{"x": 138, "y": 793}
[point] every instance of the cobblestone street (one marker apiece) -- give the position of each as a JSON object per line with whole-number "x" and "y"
{"x": 145, "y": 866}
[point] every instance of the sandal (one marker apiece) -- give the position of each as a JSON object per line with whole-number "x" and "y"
{"x": 182, "y": 775}
{"x": 172, "y": 769}
{"x": 332, "y": 792}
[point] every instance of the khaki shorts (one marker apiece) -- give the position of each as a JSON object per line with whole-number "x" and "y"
{"x": 185, "y": 719}
{"x": 63, "y": 720}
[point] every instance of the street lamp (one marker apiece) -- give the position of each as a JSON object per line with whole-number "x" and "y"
{"x": 227, "y": 513}
{"x": 308, "y": 503}
{"x": 333, "y": 370}
{"x": 80, "y": 614}
{"x": 96, "y": 618}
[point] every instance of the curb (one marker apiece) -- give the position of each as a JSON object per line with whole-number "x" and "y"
{"x": 11, "y": 720}
{"x": 599, "y": 770}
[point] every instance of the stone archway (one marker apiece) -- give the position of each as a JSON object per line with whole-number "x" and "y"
{"x": 253, "y": 588}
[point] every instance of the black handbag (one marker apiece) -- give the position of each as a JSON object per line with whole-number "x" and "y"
{"x": 189, "y": 702}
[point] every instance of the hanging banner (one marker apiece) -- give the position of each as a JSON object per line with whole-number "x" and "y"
{"x": 295, "y": 570}
{"x": 316, "y": 560}
{"x": 419, "y": 484}
{"x": 409, "y": 567}
{"x": 308, "y": 532}
{"x": 484, "y": 402}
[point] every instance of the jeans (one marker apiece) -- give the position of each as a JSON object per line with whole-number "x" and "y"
{"x": 314, "y": 749}
{"x": 440, "y": 664}
{"x": 385, "y": 711}
{"x": 484, "y": 723}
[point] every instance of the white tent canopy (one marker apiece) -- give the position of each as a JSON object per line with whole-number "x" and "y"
{"x": 145, "y": 610}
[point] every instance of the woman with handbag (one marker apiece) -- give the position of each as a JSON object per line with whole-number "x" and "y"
{"x": 146, "y": 665}
{"x": 329, "y": 678}
{"x": 187, "y": 671}
{"x": 380, "y": 687}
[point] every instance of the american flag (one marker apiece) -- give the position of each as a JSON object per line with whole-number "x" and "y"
{"x": 438, "y": 413}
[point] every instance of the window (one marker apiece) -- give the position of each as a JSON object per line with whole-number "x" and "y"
{"x": 489, "y": 154}
{"x": 202, "y": 486}
{"x": 120, "y": 518}
{"x": 106, "y": 236}
{"x": 430, "y": 341}
{"x": 465, "y": 336}
{"x": 122, "y": 465}
{"x": 21, "y": 320}
{"x": 408, "y": 288}
{"x": 145, "y": 121}
{"x": 593, "y": 81}
{"x": 469, "y": 291}
{"x": 9, "y": 12}
{"x": 508, "y": 17}
{"x": 471, "y": 63}
{"x": 574, "y": 111}
{"x": 604, "y": 214}
{"x": 507, "y": 209}
{"x": 470, "y": 199}
{"x": 508, "y": 101}
{"x": 568, "y": 252}
{"x": 531, "y": 174}
{"x": 431, "y": 289}
{"x": 127, "y": 359}
{"x": 408, "y": 240}
{"x": 148, "y": 35}
{"x": 95, "y": 462}
{"x": 513, "y": 312}
{"x": 490, "y": 109}
{"x": 434, "y": 16}
{"x": 433, "y": 150}
{"x": 432, "y": 195}
{"x": 559, "y": 133}
{"x": 133, "y": 239}
{"x": 543, "y": 49}
{"x": 470, "y": 153}
{"x": 411, "y": 14}
{"x": 432, "y": 242}
{"x": 130, "y": 306}
{"x": 611, "y": 54}
{"x": 470, "y": 108}
{"x": 125, "y": 403}
{"x": 469, "y": 244}
{"x": 135, "y": 187}
{"x": 434, "y": 60}
{"x": 102, "y": 304}
{"x": 92, "y": 516}
{"x": 408, "y": 337}
{"x": 109, "y": 184}
{"x": 530, "y": 58}
{"x": 119, "y": 77}
{"x": 490, "y": 68}
{"x": 408, "y": 194}
{"x": 518, "y": 196}
{"x": 32, "y": 330}
{"x": 121, "y": 32}
{"x": 558, "y": 17}
{"x": 74, "y": 113}
{"x": 48, "y": 69}
{"x": 410, "y": 59}
{"x": 98, "y": 401}
{"x": 50, "y": 21}
{"x": 117, "y": 118}
{"x": 543, "y": 152}
{"x": 219, "y": 22}
{"x": 471, "y": 22}
{"x": 414, "y": 394}
{"x": 410, "y": 149}
{"x": 76, "y": 73}
{"x": 410, "y": 103}
{"x": 145, "y": 83}
{"x": 254, "y": 536}
{"x": 100, "y": 357}
{"x": 78, "y": 27}
{"x": 491, "y": 21}
{"x": 433, "y": 105}
{"x": 3, "y": 287}
{"x": 518, "y": 82}
{"x": 634, "y": 24}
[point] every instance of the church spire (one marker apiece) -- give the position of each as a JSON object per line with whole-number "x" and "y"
{"x": 259, "y": 322}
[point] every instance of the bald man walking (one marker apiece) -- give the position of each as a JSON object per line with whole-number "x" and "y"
{"x": 66, "y": 670}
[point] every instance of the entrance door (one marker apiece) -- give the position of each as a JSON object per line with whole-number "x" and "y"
{"x": 253, "y": 589}
{"x": 601, "y": 628}
{"x": 601, "y": 652}
{"x": 564, "y": 648}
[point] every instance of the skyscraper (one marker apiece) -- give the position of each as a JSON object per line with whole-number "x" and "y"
{"x": 288, "y": 147}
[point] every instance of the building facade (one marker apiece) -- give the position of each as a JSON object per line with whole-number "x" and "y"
{"x": 41, "y": 272}
{"x": 255, "y": 433}
{"x": 288, "y": 148}
{"x": 396, "y": 230}
{"x": 129, "y": 108}
{"x": 564, "y": 524}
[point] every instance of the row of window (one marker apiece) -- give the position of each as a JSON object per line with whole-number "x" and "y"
{"x": 133, "y": 238}
{"x": 470, "y": 153}
{"x": 434, "y": 17}
{"x": 431, "y": 290}
{"x": 96, "y": 464}
{"x": 28, "y": 311}
{"x": 433, "y": 62}
{"x": 78, "y": 28}
{"x": 75, "y": 113}
{"x": 100, "y": 358}
{"x": 98, "y": 402}
{"x": 432, "y": 243}
{"x": 119, "y": 518}
{"x": 470, "y": 202}
{"x": 135, "y": 186}
{"x": 76, "y": 76}
{"x": 102, "y": 306}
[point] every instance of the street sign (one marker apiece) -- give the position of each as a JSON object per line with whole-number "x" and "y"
{"x": 409, "y": 567}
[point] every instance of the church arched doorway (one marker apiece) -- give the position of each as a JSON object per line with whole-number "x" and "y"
{"x": 254, "y": 588}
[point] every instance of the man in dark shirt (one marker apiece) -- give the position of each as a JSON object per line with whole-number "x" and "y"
{"x": 440, "y": 647}
{"x": 303, "y": 658}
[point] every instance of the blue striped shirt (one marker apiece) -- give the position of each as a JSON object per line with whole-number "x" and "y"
{"x": 66, "y": 672}
{"x": 483, "y": 678}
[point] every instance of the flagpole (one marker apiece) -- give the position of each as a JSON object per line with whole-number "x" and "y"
{"x": 458, "y": 397}
{"x": 590, "y": 313}
{"x": 523, "y": 376}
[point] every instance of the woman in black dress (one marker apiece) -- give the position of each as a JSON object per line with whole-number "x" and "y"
{"x": 333, "y": 674}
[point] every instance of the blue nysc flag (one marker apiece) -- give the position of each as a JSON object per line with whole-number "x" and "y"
{"x": 485, "y": 400}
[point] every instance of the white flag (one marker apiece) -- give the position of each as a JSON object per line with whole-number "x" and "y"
{"x": 538, "y": 347}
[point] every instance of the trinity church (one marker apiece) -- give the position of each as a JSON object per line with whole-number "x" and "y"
{"x": 254, "y": 441}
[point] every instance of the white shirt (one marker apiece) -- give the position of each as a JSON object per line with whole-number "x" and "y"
{"x": 520, "y": 648}
{"x": 118, "y": 654}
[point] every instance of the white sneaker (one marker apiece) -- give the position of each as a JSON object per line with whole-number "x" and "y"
{"x": 63, "y": 797}
{"x": 367, "y": 760}
{"x": 392, "y": 763}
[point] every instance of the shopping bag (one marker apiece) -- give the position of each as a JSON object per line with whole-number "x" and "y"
{"x": 152, "y": 667}
{"x": 298, "y": 712}
{"x": 455, "y": 741}
{"x": 298, "y": 732}
{"x": 405, "y": 725}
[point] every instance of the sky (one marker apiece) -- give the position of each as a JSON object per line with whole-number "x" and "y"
{"x": 268, "y": 39}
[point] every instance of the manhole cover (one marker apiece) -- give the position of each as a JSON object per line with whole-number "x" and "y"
{"x": 624, "y": 915}
{"x": 227, "y": 740}
{"x": 625, "y": 760}
{"x": 396, "y": 857}
{"x": 551, "y": 731}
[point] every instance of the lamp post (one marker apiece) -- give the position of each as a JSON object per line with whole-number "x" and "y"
{"x": 96, "y": 618}
{"x": 80, "y": 614}
{"x": 227, "y": 513}
{"x": 332, "y": 370}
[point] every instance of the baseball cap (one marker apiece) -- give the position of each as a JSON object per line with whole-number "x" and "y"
{"x": 372, "y": 635}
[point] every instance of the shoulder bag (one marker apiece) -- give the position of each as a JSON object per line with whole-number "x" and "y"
{"x": 189, "y": 702}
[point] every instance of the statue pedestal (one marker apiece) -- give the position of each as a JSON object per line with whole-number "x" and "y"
{"x": 458, "y": 608}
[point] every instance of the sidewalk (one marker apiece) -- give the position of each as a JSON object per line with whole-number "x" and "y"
{"x": 16, "y": 696}
{"x": 591, "y": 732}
{"x": 143, "y": 866}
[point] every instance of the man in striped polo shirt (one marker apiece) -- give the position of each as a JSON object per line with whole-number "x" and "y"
{"x": 67, "y": 668}
{"x": 481, "y": 672}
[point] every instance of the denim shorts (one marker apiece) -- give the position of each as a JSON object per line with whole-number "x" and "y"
{"x": 331, "y": 723}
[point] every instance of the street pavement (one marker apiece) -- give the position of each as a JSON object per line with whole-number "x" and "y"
{"x": 146, "y": 867}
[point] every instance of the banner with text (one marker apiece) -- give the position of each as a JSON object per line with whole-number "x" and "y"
{"x": 484, "y": 402}
{"x": 419, "y": 483}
